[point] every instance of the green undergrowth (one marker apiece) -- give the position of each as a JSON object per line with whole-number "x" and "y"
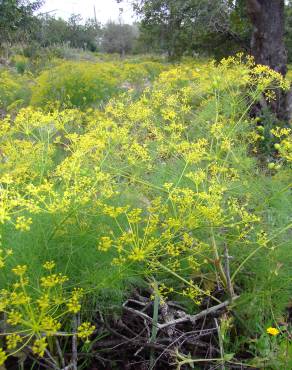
{"x": 118, "y": 173}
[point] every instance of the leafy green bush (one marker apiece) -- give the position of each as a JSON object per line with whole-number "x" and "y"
{"x": 15, "y": 90}
{"x": 157, "y": 184}
{"x": 75, "y": 84}
{"x": 85, "y": 84}
{"x": 21, "y": 63}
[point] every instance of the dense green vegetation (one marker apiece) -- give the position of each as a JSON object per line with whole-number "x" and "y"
{"x": 117, "y": 174}
{"x": 145, "y": 188}
{"x": 175, "y": 27}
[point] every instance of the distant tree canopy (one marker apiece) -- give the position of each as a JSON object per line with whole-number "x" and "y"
{"x": 180, "y": 27}
{"x": 174, "y": 27}
{"x": 19, "y": 23}
{"x": 17, "y": 19}
{"x": 213, "y": 27}
{"x": 110, "y": 38}
{"x": 54, "y": 31}
{"x": 118, "y": 38}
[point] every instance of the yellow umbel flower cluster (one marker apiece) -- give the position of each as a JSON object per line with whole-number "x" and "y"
{"x": 38, "y": 317}
{"x": 150, "y": 181}
{"x": 40, "y": 346}
{"x": 85, "y": 330}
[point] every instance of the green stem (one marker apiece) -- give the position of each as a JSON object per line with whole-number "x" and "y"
{"x": 256, "y": 250}
{"x": 217, "y": 263}
{"x": 188, "y": 283}
{"x": 155, "y": 322}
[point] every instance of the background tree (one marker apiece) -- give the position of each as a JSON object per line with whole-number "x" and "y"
{"x": 267, "y": 42}
{"x": 57, "y": 31}
{"x": 17, "y": 19}
{"x": 288, "y": 29}
{"x": 118, "y": 38}
{"x": 83, "y": 35}
{"x": 51, "y": 31}
{"x": 268, "y": 46}
{"x": 180, "y": 27}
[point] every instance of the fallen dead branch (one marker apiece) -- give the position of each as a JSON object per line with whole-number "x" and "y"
{"x": 186, "y": 317}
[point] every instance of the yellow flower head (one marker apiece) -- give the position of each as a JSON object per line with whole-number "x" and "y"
{"x": 49, "y": 265}
{"x": 104, "y": 244}
{"x": 44, "y": 301}
{"x": 3, "y": 356}
{"x": 53, "y": 280}
{"x": 85, "y": 330}
{"x": 23, "y": 223}
{"x": 50, "y": 325}
{"x": 12, "y": 340}
{"x": 39, "y": 346}
{"x": 273, "y": 331}
{"x": 14, "y": 318}
{"x": 19, "y": 270}
{"x": 74, "y": 304}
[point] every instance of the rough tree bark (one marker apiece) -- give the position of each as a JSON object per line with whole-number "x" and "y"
{"x": 267, "y": 44}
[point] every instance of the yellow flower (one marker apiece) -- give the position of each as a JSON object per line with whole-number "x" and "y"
{"x": 19, "y": 298}
{"x": 74, "y": 305}
{"x": 50, "y": 325}
{"x": 3, "y": 356}
{"x": 12, "y": 340}
{"x": 23, "y": 224}
{"x": 134, "y": 216}
{"x": 104, "y": 244}
{"x": 273, "y": 331}
{"x": 44, "y": 301}
{"x": 52, "y": 280}
{"x": 39, "y": 346}
{"x": 14, "y": 318}
{"x": 137, "y": 254}
{"x": 49, "y": 265}
{"x": 85, "y": 330}
{"x": 19, "y": 270}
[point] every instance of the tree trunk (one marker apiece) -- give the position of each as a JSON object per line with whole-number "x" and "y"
{"x": 267, "y": 43}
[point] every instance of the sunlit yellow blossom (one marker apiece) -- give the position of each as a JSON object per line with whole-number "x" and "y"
{"x": 19, "y": 270}
{"x": 44, "y": 301}
{"x": 85, "y": 330}
{"x": 14, "y": 317}
{"x": 12, "y": 340}
{"x": 273, "y": 331}
{"x": 137, "y": 254}
{"x": 49, "y": 265}
{"x": 193, "y": 293}
{"x": 134, "y": 215}
{"x": 23, "y": 224}
{"x": 39, "y": 346}
{"x": 49, "y": 325}
{"x": 74, "y": 304}
{"x": 104, "y": 244}
{"x": 19, "y": 298}
{"x": 53, "y": 280}
{"x": 3, "y": 356}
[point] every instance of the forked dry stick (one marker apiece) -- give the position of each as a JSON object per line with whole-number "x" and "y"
{"x": 185, "y": 318}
